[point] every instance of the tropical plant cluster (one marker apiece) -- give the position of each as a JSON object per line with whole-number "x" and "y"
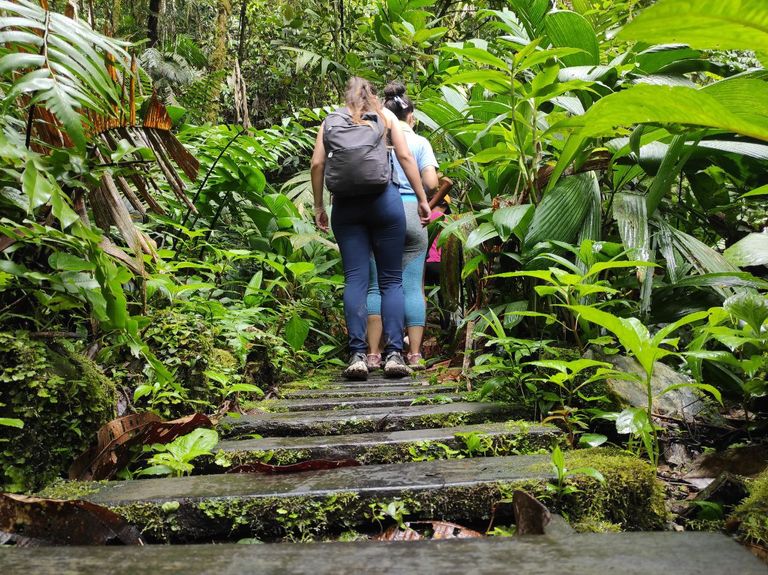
{"x": 608, "y": 207}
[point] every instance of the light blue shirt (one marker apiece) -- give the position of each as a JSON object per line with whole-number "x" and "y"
{"x": 422, "y": 152}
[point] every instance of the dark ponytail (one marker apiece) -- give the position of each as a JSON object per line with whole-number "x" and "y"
{"x": 396, "y": 101}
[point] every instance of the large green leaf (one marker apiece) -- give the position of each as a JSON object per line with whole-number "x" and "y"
{"x": 749, "y": 307}
{"x": 703, "y": 24}
{"x": 561, "y": 213}
{"x": 646, "y": 104}
{"x": 568, "y": 29}
{"x": 751, "y": 250}
{"x": 296, "y": 332}
{"x": 512, "y": 220}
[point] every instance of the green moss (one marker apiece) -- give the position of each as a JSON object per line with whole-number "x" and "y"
{"x": 62, "y": 489}
{"x": 595, "y": 507}
{"x": 62, "y": 398}
{"x": 594, "y": 525}
{"x": 753, "y": 511}
{"x": 222, "y": 359}
{"x": 631, "y": 496}
{"x": 154, "y": 523}
{"x": 268, "y": 406}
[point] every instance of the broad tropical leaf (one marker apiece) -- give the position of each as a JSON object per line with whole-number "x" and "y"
{"x": 703, "y": 24}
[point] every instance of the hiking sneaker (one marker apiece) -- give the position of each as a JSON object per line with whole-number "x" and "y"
{"x": 416, "y": 361}
{"x": 374, "y": 361}
{"x": 394, "y": 365}
{"x": 357, "y": 368}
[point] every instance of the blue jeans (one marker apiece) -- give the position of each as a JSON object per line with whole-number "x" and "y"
{"x": 414, "y": 255}
{"x": 365, "y": 225}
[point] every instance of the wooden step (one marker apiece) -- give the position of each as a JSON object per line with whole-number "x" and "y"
{"x": 587, "y": 554}
{"x": 368, "y": 419}
{"x": 373, "y": 381}
{"x": 311, "y": 504}
{"x": 364, "y": 390}
{"x": 328, "y": 403}
{"x": 392, "y": 447}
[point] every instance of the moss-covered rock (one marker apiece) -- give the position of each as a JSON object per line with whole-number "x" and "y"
{"x": 631, "y": 496}
{"x": 752, "y": 513}
{"x": 63, "y": 399}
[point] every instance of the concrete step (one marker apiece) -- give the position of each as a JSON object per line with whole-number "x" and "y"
{"x": 587, "y": 554}
{"x": 367, "y": 419}
{"x": 368, "y": 390}
{"x": 373, "y": 380}
{"x": 329, "y": 403}
{"x": 312, "y": 504}
{"x": 392, "y": 447}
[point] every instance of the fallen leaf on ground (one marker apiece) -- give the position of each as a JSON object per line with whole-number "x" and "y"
{"x": 113, "y": 442}
{"x": 32, "y": 521}
{"x": 418, "y": 530}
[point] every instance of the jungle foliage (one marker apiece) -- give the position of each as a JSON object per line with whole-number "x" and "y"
{"x": 609, "y": 170}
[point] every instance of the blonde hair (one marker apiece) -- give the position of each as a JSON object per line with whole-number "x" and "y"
{"x": 361, "y": 98}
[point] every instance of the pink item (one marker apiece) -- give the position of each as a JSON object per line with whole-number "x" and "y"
{"x": 434, "y": 251}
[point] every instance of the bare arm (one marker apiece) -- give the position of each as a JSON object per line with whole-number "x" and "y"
{"x": 405, "y": 157}
{"x": 317, "y": 169}
{"x": 445, "y": 186}
{"x": 429, "y": 179}
{"x": 409, "y": 165}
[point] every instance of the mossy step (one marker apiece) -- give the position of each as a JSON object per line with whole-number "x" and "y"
{"x": 587, "y": 554}
{"x": 366, "y": 419}
{"x": 393, "y": 447}
{"x": 369, "y": 390}
{"x": 317, "y": 503}
{"x": 326, "y": 403}
{"x": 344, "y": 383}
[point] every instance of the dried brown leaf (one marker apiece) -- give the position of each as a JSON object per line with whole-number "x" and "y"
{"x": 156, "y": 115}
{"x": 32, "y": 521}
{"x": 114, "y": 440}
{"x": 417, "y": 530}
{"x": 531, "y": 516}
{"x": 111, "y": 450}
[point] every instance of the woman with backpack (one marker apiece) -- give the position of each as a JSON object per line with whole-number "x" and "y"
{"x": 351, "y": 155}
{"x": 416, "y": 241}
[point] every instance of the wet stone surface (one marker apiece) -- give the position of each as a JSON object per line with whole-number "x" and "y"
{"x": 326, "y": 403}
{"x": 364, "y": 390}
{"x": 382, "y": 479}
{"x": 389, "y": 447}
{"x": 365, "y": 420}
{"x": 589, "y": 554}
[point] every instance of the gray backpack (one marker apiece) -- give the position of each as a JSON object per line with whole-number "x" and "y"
{"x": 357, "y": 160}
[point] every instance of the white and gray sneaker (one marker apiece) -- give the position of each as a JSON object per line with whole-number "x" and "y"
{"x": 357, "y": 368}
{"x": 394, "y": 365}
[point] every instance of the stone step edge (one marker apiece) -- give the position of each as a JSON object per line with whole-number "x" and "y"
{"x": 310, "y": 504}
{"x": 340, "y": 403}
{"x": 366, "y": 420}
{"x": 580, "y": 554}
{"x": 509, "y": 438}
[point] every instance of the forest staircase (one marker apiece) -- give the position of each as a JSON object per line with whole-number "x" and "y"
{"x": 400, "y": 450}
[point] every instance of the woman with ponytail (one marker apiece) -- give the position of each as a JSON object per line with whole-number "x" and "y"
{"x": 366, "y": 219}
{"x": 416, "y": 241}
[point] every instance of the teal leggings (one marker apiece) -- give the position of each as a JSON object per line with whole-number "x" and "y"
{"x": 414, "y": 255}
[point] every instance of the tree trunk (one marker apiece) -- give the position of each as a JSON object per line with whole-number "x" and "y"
{"x": 219, "y": 57}
{"x": 241, "y": 44}
{"x": 155, "y": 8}
{"x": 116, "y": 9}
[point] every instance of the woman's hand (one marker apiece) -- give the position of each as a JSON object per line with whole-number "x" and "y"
{"x": 424, "y": 212}
{"x": 321, "y": 219}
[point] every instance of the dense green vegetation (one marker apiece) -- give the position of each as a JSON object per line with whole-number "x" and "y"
{"x": 609, "y": 199}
